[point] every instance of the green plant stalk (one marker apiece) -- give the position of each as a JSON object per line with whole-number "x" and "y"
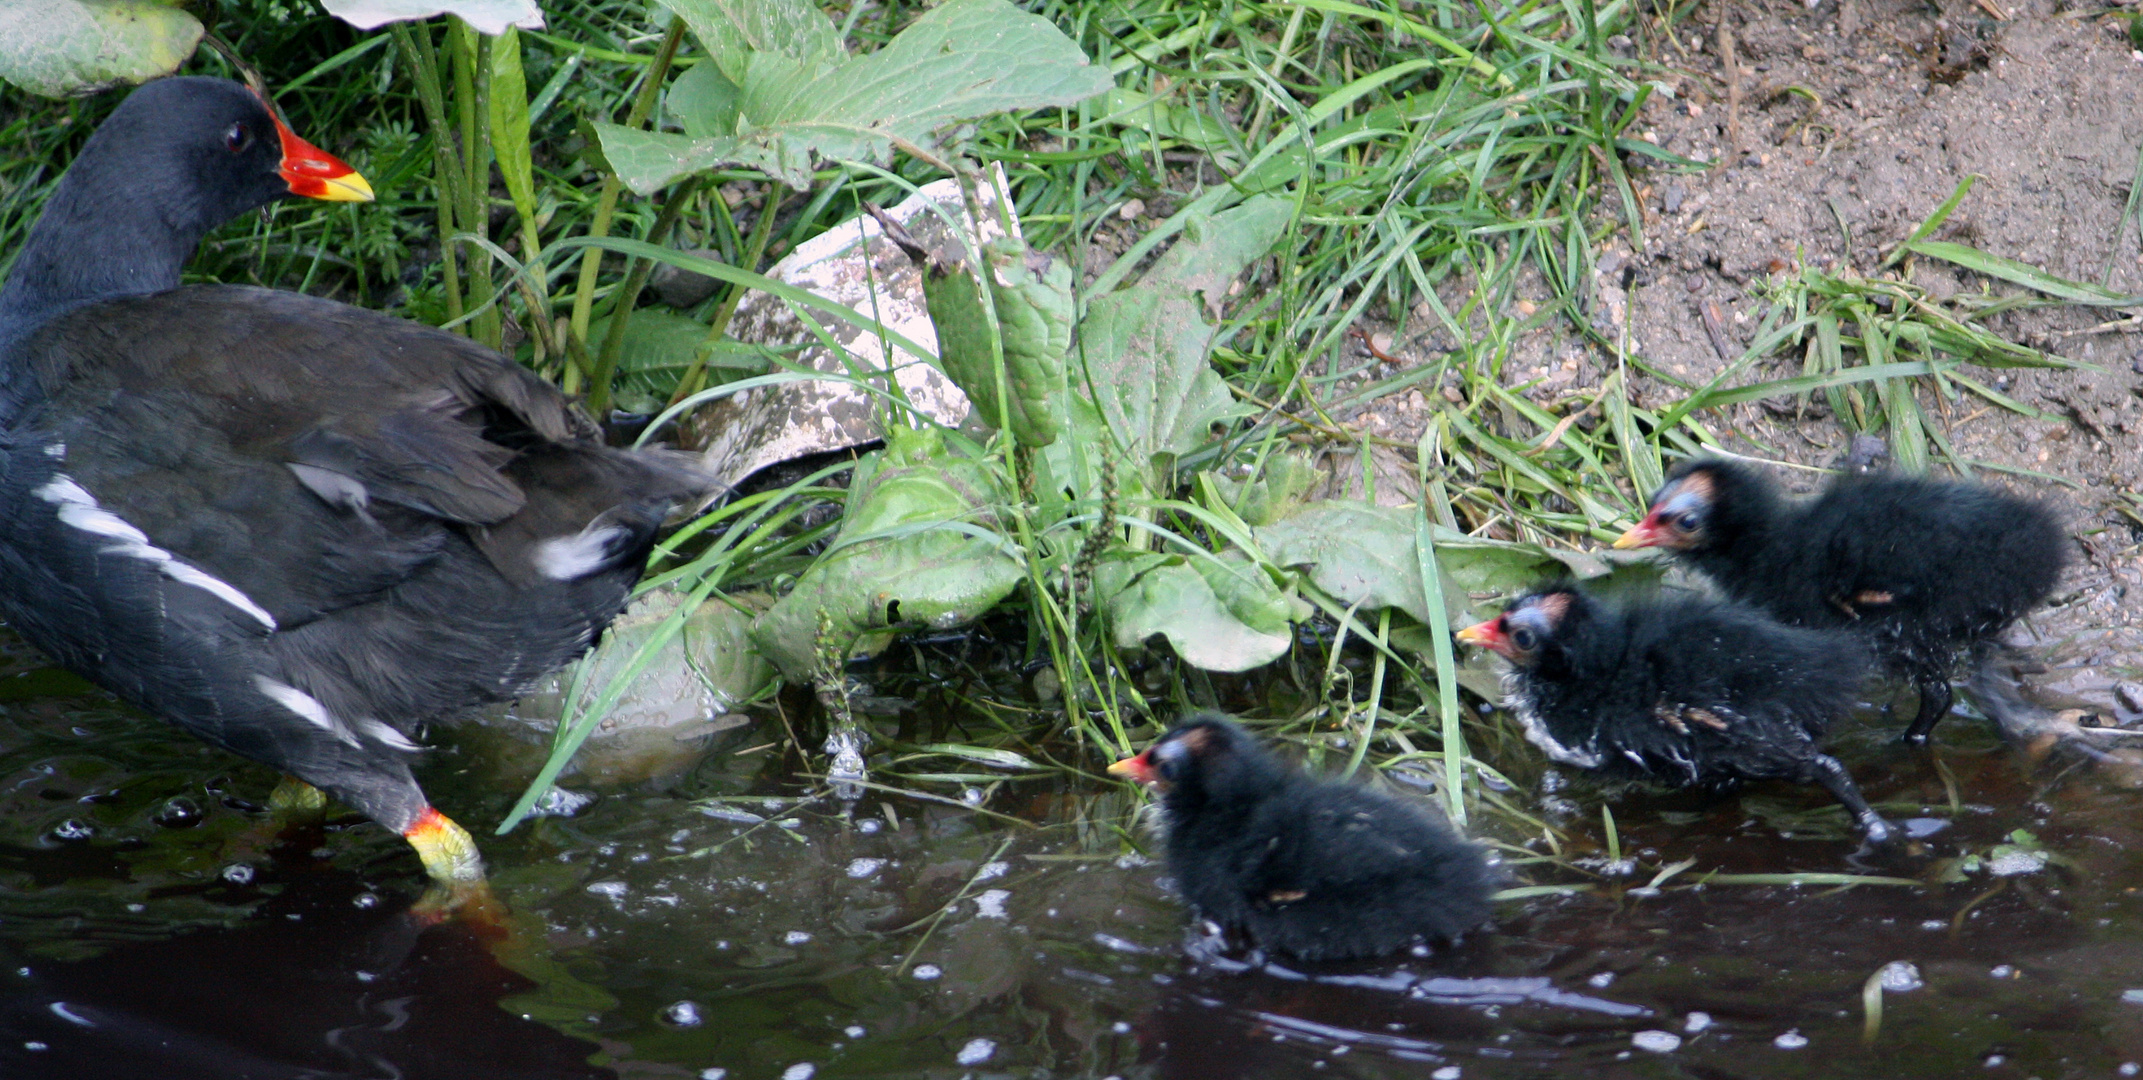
{"x": 762, "y": 234}
{"x": 423, "y": 62}
{"x": 1454, "y": 737}
{"x": 606, "y": 205}
{"x": 472, "y": 82}
{"x": 627, "y": 297}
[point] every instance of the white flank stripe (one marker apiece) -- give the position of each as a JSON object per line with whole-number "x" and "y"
{"x": 564, "y": 558}
{"x": 388, "y": 735}
{"x": 79, "y": 509}
{"x": 305, "y": 705}
{"x": 102, "y": 522}
{"x": 223, "y": 590}
{"x": 62, "y": 489}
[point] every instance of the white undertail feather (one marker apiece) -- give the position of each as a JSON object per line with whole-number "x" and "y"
{"x": 78, "y": 509}
{"x": 566, "y": 558}
{"x": 305, "y": 705}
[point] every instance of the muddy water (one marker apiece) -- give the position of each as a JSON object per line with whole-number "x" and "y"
{"x": 154, "y": 923}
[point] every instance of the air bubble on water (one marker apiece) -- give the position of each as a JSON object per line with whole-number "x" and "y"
{"x": 1901, "y": 976}
{"x": 976, "y": 1052}
{"x": 1658, "y": 1042}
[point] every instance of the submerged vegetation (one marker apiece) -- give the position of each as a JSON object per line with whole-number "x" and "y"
{"x": 1177, "y": 475}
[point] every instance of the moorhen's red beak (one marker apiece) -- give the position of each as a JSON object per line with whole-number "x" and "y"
{"x": 1135, "y": 768}
{"x": 1488, "y": 635}
{"x": 313, "y": 172}
{"x": 1646, "y": 533}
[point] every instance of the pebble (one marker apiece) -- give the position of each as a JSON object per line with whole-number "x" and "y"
{"x": 1696, "y": 1021}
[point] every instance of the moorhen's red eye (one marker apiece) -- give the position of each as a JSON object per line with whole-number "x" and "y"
{"x": 237, "y": 138}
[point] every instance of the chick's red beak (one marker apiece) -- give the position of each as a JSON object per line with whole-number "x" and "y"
{"x": 1487, "y": 635}
{"x": 1646, "y": 533}
{"x": 313, "y": 172}
{"x": 1135, "y": 768}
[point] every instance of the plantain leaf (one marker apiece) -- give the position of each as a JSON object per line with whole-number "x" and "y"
{"x": 69, "y": 48}
{"x": 801, "y": 97}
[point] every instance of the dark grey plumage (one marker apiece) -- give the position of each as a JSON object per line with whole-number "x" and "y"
{"x": 1926, "y": 570}
{"x": 292, "y": 527}
{"x": 1683, "y": 690}
{"x": 1315, "y": 869}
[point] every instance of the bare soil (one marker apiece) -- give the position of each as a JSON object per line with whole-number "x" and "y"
{"x": 1831, "y": 133}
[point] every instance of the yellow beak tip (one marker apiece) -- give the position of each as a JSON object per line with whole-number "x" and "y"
{"x": 351, "y": 188}
{"x": 1628, "y": 540}
{"x": 1122, "y": 768}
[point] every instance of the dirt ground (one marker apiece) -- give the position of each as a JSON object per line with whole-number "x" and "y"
{"x": 2044, "y": 104}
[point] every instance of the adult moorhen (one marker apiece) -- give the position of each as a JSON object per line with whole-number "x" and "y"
{"x": 1925, "y": 569}
{"x": 1316, "y": 869}
{"x": 1685, "y": 690}
{"x": 290, "y": 526}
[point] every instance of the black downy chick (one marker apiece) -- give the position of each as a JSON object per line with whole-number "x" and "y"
{"x": 1925, "y": 569}
{"x": 1683, "y": 690}
{"x": 1316, "y": 869}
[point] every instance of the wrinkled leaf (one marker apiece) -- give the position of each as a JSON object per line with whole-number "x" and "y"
{"x": 491, "y": 17}
{"x": 1236, "y": 627}
{"x": 1360, "y": 554}
{"x": 1146, "y": 346}
{"x": 1033, "y": 298}
{"x": 62, "y": 48}
{"x": 801, "y": 96}
{"x": 907, "y": 555}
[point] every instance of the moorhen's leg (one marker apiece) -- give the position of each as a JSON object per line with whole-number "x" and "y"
{"x": 1935, "y": 701}
{"x": 1832, "y": 775}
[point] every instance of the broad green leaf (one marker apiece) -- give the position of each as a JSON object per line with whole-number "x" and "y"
{"x": 1155, "y": 116}
{"x": 509, "y": 123}
{"x": 1360, "y": 554}
{"x": 1145, "y": 347}
{"x": 735, "y": 31}
{"x": 705, "y": 102}
{"x": 493, "y": 17}
{"x": 801, "y": 96}
{"x": 62, "y": 48}
{"x": 1147, "y": 594}
{"x": 914, "y": 551}
{"x": 1275, "y": 494}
